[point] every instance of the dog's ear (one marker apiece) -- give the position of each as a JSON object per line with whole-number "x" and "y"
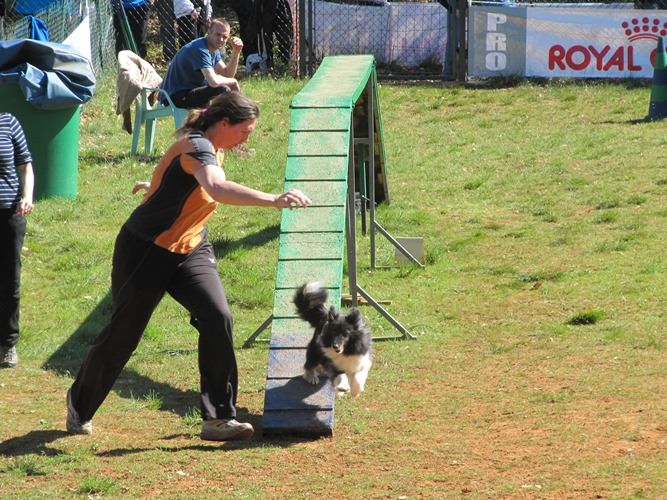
{"x": 332, "y": 314}
{"x": 354, "y": 318}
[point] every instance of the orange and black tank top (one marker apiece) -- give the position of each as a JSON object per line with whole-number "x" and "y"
{"x": 176, "y": 207}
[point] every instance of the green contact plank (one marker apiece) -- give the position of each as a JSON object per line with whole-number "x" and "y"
{"x": 294, "y": 273}
{"x": 309, "y": 423}
{"x": 283, "y": 302}
{"x": 321, "y": 192}
{"x": 313, "y": 219}
{"x": 289, "y": 325}
{"x": 313, "y": 119}
{"x": 318, "y": 143}
{"x": 311, "y": 246}
{"x": 338, "y": 82}
{"x": 304, "y": 168}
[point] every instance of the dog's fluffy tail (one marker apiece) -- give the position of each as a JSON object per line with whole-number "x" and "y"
{"x": 309, "y": 300}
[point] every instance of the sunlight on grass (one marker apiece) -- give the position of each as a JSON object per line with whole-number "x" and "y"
{"x": 26, "y": 466}
{"x": 153, "y": 400}
{"x": 192, "y": 419}
{"x": 96, "y": 486}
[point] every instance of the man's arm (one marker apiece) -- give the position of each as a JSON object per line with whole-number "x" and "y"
{"x": 216, "y": 80}
{"x": 229, "y": 69}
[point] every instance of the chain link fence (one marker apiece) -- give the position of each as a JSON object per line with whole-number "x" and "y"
{"x": 416, "y": 39}
{"x": 158, "y": 28}
{"x": 407, "y": 38}
{"x": 267, "y": 28}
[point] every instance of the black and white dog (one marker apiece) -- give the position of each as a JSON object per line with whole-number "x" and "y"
{"x": 341, "y": 344}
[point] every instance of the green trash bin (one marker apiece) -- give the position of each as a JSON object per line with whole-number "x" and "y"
{"x": 53, "y": 140}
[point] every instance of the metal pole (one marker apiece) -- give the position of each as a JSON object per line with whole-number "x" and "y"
{"x": 310, "y": 41}
{"x": 371, "y": 162}
{"x": 387, "y": 316}
{"x": 350, "y": 222}
{"x": 302, "y": 38}
{"x": 396, "y": 244}
{"x": 450, "y": 49}
{"x": 463, "y": 51}
{"x": 259, "y": 330}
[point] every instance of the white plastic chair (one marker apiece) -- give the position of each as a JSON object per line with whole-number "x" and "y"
{"x": 146, "y": 115}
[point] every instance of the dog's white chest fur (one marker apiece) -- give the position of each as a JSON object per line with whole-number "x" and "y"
{"x": 349, "y": 363}
{"x": 354, "y": 366}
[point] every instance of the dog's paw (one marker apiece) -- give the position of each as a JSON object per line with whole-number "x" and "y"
{"x": 357, "y": 385}
{"x": 311, "y": 377}
{"x": 341, "y": 384}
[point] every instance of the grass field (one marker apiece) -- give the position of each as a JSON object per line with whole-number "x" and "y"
{"x": 541, "y": 352}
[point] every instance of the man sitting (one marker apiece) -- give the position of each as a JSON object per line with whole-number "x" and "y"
{"x": 197, "y": 73}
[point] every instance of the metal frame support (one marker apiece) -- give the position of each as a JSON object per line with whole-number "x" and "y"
{"x": 370, "y": 182}
{"x": 250, "y": 340}
{"x": 355, "y": 289}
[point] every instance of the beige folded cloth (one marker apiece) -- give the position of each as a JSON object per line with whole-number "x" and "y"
{"x": 134, "y": 74}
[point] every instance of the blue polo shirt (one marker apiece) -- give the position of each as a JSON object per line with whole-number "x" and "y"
{"x": 184, "y": 72}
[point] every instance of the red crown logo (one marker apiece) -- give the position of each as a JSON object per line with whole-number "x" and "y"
{"x": 644, "y": 27}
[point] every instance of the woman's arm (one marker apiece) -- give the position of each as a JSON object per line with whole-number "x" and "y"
{"x": 140, "y": 185}
{"x": 212, "y": 179}
{"x": 27, "y": 183}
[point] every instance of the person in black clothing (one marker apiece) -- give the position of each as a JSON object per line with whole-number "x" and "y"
{"x": 163, "y": 248}
{"x": 16, "y": 202}
{"x": 262, "y": 21}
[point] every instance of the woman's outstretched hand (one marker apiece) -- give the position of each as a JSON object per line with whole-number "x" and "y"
{"x": 140, "y": 185}
{"x": 292, "y": 199}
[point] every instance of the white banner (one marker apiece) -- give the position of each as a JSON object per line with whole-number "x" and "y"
{"x": 402, "y": 33}
{"x": 596, "y": 43}
{"x": 564, "y": 42}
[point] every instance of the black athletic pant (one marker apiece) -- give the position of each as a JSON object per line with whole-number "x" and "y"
{"x": 259, "y": 20}
{"x": 142, "y": 273}
{"x": 197, "y": 97}
{"x": 12, "y": 233}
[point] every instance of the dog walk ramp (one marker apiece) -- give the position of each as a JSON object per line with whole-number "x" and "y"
{"x": 313, "y": 241}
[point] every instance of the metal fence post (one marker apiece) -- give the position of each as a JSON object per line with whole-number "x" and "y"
{"x": 462, "y": 45}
